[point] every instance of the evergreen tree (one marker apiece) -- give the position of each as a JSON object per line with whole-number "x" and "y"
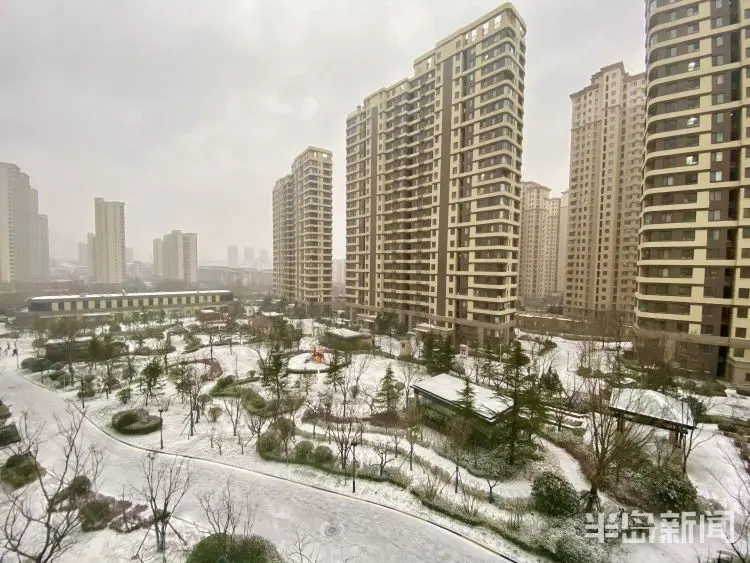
{"x": 428, "y": 352}
{"x": 388, "y": 395}
{"x": 519, "y": 384}
{"x": 465, "y": 402}
{"x": 151, "y": 380}
{"x": 335, "y": 373}
{"x": 446, "y": 354}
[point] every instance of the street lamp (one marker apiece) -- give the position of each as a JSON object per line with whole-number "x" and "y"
{"x": 354, "y": 466}
{"x": 161, "y": 428}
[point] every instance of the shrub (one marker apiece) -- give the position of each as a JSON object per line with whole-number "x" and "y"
{"x": 575, "y": 549}
{"x": 9, "y": 435}
{"x": 218, "y": 547}
{"x": 252, "y": 400}
{"x": 86, "y": 390}
{"x": 55, "y": 375}
{"x": 123, "y": 395}
{"x": 269, "y": 443}
{"x": 57, "y": 366}
{"x": 214, "y": 412}
{"x": 669, "y": 490}
{"x": 95, "y": 515}
{"x": 743, "y": 392}
{"x": 303, "y": 450}
{"x": 553, "y": 495}
{"x": 41, "y": 364}
{"x": 323, "y": 455}
{"x": 135, "y": 422}
{"x": 79, "y": 487}
{"x": 28, "y": 363}
{"x": 19, "y": 470}
{"x": 224, "y": 386}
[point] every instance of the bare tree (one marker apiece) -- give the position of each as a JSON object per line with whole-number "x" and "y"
{"x": 344, "y": 431}
{"x": 385, "y": 454}
{"x": 612, "y": 437}
{"x": 301, "y": 549}
{"x": 234, "y": 409}
{"x": 691, "y": 410}
{"x": 166, "y": 484}
{"x": 739, "y": 492}
{"x": 230, "y": 517}
{"x": 255, "y": 423}
{"x": 410, "y": 374}
{"x": 433, "y": 482}
{"x": 38, "y": 525}
{"x": 219, "y": 440}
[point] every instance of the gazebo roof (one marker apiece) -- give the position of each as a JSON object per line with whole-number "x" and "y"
{"x": 649, "y": 404}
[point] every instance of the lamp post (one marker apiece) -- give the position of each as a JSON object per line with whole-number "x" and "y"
{"x": 161, "y": 428}
{"x": 354, "y": 466}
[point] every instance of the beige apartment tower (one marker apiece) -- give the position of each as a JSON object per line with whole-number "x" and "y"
{"x": 433, "y": 165}
{"x": 177, "y": 256}
{"x": 109, "y": 241}
{"x": 540, "y": 231}
{"x": 606, "y": 160}
{"x": 694, "y": 267}
{"x": 562, "y": 243}
{"x": 302, "y": 229}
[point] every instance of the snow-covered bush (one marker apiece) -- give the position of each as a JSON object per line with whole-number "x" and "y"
{"x": 669, "y": 490}
{"x": 553, "y": 495}
{"x": 218, "y": 547}
{"x": 323, "y": 455}
{"x": 269, "y": 443}
{"x": 572, "y": 548}
{"x": 124, "y": 395}
{"x": 303, "y": 450}
{"x": 214, "y": 412}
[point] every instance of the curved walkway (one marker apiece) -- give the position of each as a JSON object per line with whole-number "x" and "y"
{"x": 344, "y": 526}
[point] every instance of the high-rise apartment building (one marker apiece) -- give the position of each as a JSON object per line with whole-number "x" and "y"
{"x": 91, "y": 257}
{"x": 540, "y": 228}
{"x": 158, "y": 258}
{"x": 694, "y": 267}
{"x": 178, "y": 256}
{"x": 302, "y": 228}
{"x": 433, "y": 164}
{"x": 562, "y": 243}
{"x": 233, "y": 256}
{"x": 42, "y": 241}
{"x": 22, "y": 248}
{"x": 606, "y": 159}
{"x": 109, "y": 218}
{"x": 249, "y": 256}
{"x": 339, "y": 271}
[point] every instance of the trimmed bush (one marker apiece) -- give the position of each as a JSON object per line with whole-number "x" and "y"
{"x": 87, "y": 390}
{"x": 247, "y": 549}
{"x": 55, "y": 375}
{"x": 553, "y": 495}
{"x": 57, "y": 366}
{"x": 9, "y": 435}
{"x": 323, "y": 455}
{"x": 28, "y": 363}
{"x": 19, "y": 470}
{"x": 79, "y": 487}
{"x": 96, "y": 514}
{"x": 135, "y": 422}
{"x": 269, "y": 442}
{"x": 303, "y": 450}
{"x": 123, "y": 395}
{"x": 669, "y": 490}
{"x": 575, "y": 549}
{"x": 214, "y": 412}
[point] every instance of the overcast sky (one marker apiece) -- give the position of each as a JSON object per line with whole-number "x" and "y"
{"x": 188, "y": 110}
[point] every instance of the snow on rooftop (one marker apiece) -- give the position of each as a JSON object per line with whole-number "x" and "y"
{"x": 449, "y": 388}
{"x": 346, "y": 333}
{"x": 653, "y": 404}
{"x": 129, "y": 295}
{"x": 270, "y": 314}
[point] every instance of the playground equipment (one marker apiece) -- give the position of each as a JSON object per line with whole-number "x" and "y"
{"x": 316, "y": 355}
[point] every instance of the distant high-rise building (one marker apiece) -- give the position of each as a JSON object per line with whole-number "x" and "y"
{"x": 540, "y": 226}
{"x": 562, "y": 243}
{"x": 606, "y": 162}
{"x": 432, "y": 196}
{"x": 264, "y": 262}
{"x": 180, "y": 256}
{"x": 43, "y": 242}
{"x": 694, "y": 267}
{"x": 233, "y": 256}
{"x": 91, "y": 257}
{"x": 302, "y": 224}
{"x": 110, "y": 241}
{"x": 82, "y": 254}
{"x": 339, "y": 271}
{"x": 128, "y": 254}
{"x": 250, "y": 257}
{"x": 158, "y": 258}
{"x": 21, "y": 249}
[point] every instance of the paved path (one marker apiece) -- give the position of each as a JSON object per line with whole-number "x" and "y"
{"x": 344, "y": 527}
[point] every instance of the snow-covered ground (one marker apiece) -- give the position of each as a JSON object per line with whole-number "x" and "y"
{"x": 294, "y": 497}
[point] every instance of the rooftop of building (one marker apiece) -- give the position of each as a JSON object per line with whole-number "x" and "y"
{"x": 94, "y": 296}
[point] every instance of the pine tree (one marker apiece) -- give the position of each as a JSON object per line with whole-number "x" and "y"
{"x": 151, "y": 380}
{"x": 465, "y": 402}
{"x": 520, "y": 384}
{"x": 388, "y": 395}
{"x": 335, "y": 375}
{"x": 428, "y": 352}
{"x": 446, "y": 353}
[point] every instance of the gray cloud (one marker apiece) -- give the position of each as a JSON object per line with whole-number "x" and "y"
{"x": 188, "y": 110}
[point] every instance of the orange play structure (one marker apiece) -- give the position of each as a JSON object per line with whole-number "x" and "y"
{"x": 316, "y": 355}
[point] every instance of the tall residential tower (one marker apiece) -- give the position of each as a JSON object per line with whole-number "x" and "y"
{"x": 433, "y": 164}
{"x": 694, "y": 267}
{"x": 302, "y": 225}
{"x": 540, "y": 230}
{"x": 606, "y": 159}
{"x": 109, "y": 240}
